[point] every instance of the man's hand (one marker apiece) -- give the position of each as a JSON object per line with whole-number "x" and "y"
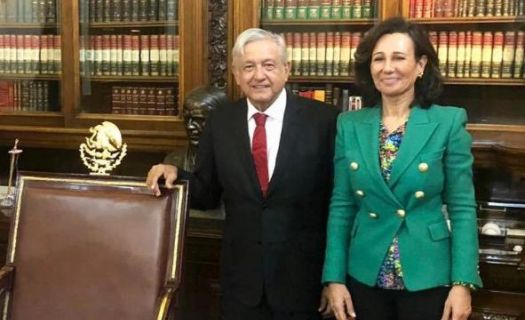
{"x": 166, "y": 171}
{"x": 339, "y": 301}
{"x": 458, "y": 304}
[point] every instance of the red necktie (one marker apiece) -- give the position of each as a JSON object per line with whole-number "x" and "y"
{"x": 260, "y": 156}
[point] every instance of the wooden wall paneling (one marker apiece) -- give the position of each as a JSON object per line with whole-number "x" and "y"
{"x": 70, "y": 81}
{"x": 193, "y": 31}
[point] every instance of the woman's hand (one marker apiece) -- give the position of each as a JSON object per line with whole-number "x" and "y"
{"x": 458, "y": 304}
{"x": 339, "y": 301}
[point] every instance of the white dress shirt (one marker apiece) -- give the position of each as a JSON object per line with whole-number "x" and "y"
{"x": 273, "y": 126}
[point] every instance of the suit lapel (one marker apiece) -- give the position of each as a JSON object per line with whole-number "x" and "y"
{"x": 286, "y": 142}
{"x": 242, "y": 139}
{"x": 367, "y": 133}
{"x": 418, "y": 131}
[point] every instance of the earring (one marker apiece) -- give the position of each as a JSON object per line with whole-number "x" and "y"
{"x": 420, "y": 75}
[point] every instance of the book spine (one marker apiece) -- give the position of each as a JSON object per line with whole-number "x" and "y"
{"x": 468, "y": 54}
{"x": 114, "y": 58}
{"x": 357, "y": 12}
{"x": 305, "y": 59}
{"x": 2, "y": 56}
{"x": 176, "y": 54}
{"x": 107, "y": 11}
{"x": 99, "y": 11}
{"x": 346, "y": 40}
{"x": 337, "y": 9}
{"x": 475, "y": 62}
{"x": 135, "y": 55}
{"x": 296, "y": 54}
{"x": 153, "y": 13}
{"x": 337, "y": 54}
{"x": 508, "y": 54}
{"x": 302, "y": 9}
{"x": 134, "y": 13}
{"x": 278, "y": 9}
{"x": 367, "y": 9}
{"x": 25, "y": 63}
{"x": 356, "y": 39}
{"x": 321, "y": 53}
{"x": 518, "y": 55}
{"x": 162, "y": 11}
{"x": 144, "y": 55}
{"x": 314, "y": 9}
{"x": 127, "y": 55}
{"x": 460, "y": 63}
{"x": 154, "y": 55}
{"x": 443, "y": 52}
{"x": 312, "y": 54}
{"x": 116, "y": 13}
{"x": 20, "y": 53}
{"x": 172, "y": 10}
{"x": 325, "y": 9}
{"x": 268, "y": 9}
{"x": 288, "y": 36}
{"x": 171, "y": 104}
{"x": 115, "y": 100}
{"x": 106, "y": 55}
{"x": 120, "y": 54}
{"x": 497, "y": 55}
{"x": 163, "y": 55}
{"x": 452, "y": 53}
{"x": 329, "y": 54}
{"x": 486, "y": 54}
{"x": 126, "y": 10}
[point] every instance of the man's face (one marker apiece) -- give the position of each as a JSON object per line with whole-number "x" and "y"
{"x": 194, "y": 120}
{"x": 260, "y": 73}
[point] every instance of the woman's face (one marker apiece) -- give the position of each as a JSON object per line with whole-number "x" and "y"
{"x": 394, "y": 67}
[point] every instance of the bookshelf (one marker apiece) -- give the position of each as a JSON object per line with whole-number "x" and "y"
{"x": 492, "y": 99}
{"x": 490, "y": 84}
{"x": 126, "y": 61}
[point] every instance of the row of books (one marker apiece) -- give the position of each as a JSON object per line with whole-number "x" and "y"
{"x": 335, "y": 95}
{"x": 319, "y": 9}
{"x": 475, "y": 54}
{"x": 466, "y": 8}
{"x": 322, "y": 53}
{"x": 129, "y": 10}
{"x": 31, "y": 54}
{"x": 144, "y": 100}
{"x": 28, "y": 11}
{"x": 24, "y": 95}
{"x": 130, "y": 55}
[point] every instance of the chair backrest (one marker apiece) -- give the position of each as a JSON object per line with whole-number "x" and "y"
{"x": 93, "y": 248}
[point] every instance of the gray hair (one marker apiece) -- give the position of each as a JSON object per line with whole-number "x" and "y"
{"x": 256, "y": 34}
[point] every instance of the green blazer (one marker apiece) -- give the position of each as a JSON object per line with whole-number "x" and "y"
{"x": 433, "y": 167}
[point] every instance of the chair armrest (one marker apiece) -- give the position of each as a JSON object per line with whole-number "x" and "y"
{"x": 6, "y": 279}
{"x": 165, "y": 304}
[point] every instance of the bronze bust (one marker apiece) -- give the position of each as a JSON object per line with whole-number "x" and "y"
{"x": 197, "y": 106}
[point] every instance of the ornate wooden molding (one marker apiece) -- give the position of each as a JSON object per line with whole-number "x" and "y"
{"x": 218, "y": 43}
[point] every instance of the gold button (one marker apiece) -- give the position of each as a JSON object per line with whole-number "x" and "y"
{"x": 401, "y": 213}
{"x": 419, "y": 194}
{"x": 423, "y": 167}
{"x": 354, "y": 165}
{"x": 360, "y": 193}
{"x": 372, "y": 215}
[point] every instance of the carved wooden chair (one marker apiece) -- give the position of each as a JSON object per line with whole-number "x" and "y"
{"x": 92, "y": 248}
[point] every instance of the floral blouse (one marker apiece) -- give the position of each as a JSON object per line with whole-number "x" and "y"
{"x": 391, "y": 273}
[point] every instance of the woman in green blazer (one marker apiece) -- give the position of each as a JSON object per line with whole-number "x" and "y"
{"x": 392, "y": 251}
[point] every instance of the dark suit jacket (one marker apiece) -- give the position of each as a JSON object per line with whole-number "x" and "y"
{"x": 275, "y": 242}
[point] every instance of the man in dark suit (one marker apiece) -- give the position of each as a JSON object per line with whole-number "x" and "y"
{"x": 268, "y": 157}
